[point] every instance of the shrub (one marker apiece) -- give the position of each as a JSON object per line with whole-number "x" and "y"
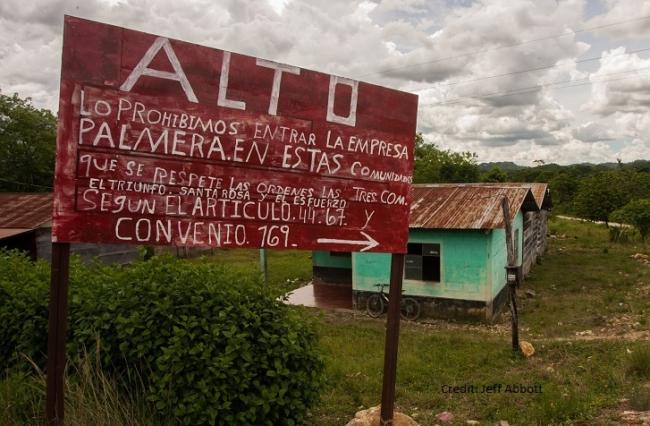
{"x": 208, "y": 346}
{"x": 637, "y": 214}
{"x": 619, "y": 234}
{"x": 24, "y": 288}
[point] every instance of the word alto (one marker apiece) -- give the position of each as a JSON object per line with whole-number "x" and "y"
{"x": 142, "y": 68}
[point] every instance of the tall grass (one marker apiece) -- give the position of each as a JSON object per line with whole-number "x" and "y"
{"x": 639, "y": 363}
{"x": 91, "y": 398}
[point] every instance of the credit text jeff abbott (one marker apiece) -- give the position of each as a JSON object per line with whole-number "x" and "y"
{"x": 492, "y": 388}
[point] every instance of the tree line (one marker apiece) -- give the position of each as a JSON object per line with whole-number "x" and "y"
{"x": 618, "y": 192}
{"x": 27, "y": 144}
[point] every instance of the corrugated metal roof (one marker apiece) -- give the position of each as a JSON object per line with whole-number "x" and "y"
{"x": 10, "y": 232}
{"x": 540, "y": 191}
{"x": 466, "y": 206}
{"x": 542, "y": 194}
{"x": 25, "y": 210}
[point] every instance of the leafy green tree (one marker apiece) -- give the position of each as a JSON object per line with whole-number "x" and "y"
{"x": 27, "y": 145}
{"x": 641, "y": 165}
{"x": 494, "y": 175}
{"x": 588, "y": 190}
{"x": 599, "y": 195}
{"x": 435, "y": 165}
{"x": 640, "y": 185}
{"x": 563, "y": 186}
{"x": 604, "y": 192}
{"x": 635, "y": 213}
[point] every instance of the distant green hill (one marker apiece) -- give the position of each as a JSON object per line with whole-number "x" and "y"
{"x": 506, "y": 166}
{"x": 509, "y": 166}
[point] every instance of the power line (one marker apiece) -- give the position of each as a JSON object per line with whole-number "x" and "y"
{"x": 507, "y": 46}
{"x": 594, "y": 58}
{"x": 531, "y": 89}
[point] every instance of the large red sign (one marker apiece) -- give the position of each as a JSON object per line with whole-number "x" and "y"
{"x": 170, "y": 143}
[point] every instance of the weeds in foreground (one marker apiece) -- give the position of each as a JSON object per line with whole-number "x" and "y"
{"x": 640, "y": 399}
{"x": 91, "y": 398}
{"x": 639, "y": 363}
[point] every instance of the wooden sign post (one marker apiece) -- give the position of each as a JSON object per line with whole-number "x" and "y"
{"x": 56, "y": 333}
{"x": 392, "y": 339}
{"x": 163, "y": 142}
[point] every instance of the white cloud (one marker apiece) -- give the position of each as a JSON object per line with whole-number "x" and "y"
{"x": 632, "y": 13}
{"x": 593, "y": 132}
{"x": 456, "y": 55}
{"x": 278, "y": 5}
{"x": 632, "y": 125}
{"x": 477, "y": 41}
{"x": 635, "y": 150}
{"x": 622, "y": 83}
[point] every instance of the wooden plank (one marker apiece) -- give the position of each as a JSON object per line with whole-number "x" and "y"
{"x": 392, "y": 340}
{"x": 56, "y": 336}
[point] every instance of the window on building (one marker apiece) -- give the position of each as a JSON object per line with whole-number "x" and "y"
{"x": 340, "y": 254}
{"x": 422, "y": 262}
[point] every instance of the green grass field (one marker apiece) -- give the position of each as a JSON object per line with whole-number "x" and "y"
{"x": 587, "y": 283}
{"x": 579, "y": 380}
{"x": 583, "y": 284}
{"x": 287, "y": 269}
{"x": 588, "y": 322}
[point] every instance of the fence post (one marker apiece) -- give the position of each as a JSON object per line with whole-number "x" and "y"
{"x": 392, "y": 340}
{"x": 56, "y": 335}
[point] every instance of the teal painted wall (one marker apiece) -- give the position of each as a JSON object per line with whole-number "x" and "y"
{"x": 323, "y": 258}
{"x": 472, "y": 264}
{"x": 463, "y": 259}
{"x": 499, "y": 255}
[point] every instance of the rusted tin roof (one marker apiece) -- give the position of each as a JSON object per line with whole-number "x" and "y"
{"x": 542, "y": 195}
{"x": 10, "y": 232}
{"x": 25, "y": 210}
{"x": 466, "y": 206}
{"x": 540, "y": 191}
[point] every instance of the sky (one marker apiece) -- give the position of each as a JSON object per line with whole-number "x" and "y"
{"x": 563, "y": 81}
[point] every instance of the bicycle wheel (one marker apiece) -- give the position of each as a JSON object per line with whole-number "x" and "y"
{"x": 375, "y": 305}
{"x": 410, "y": 309}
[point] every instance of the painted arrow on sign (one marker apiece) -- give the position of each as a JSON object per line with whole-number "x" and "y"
{"x": 368, "y": 242}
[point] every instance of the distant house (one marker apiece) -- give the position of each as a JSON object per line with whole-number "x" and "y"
{"x": 536, "y": 226}
{"x": 456, "y": 254}
{"x": 26, "y": 224}
{"x": 535, "y": 222}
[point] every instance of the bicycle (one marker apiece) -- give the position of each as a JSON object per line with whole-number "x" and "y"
{"x": 377, "y": 303}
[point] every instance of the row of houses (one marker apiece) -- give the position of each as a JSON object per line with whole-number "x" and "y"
{"x": 456, "y": 254}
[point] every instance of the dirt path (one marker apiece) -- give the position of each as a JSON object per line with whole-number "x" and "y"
{"x": 599, "y": 222}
